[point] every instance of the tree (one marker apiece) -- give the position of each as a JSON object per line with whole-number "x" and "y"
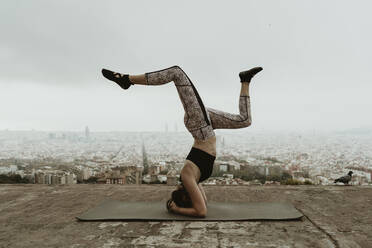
{"x": 285, "y": 176}
{"x": 13, "y": 178}
{"x": 91, "y": 179}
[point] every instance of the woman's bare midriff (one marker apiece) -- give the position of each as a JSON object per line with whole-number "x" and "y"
{"x": 208, "y": 145}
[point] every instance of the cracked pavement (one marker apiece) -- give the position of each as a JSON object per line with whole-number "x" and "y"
{"x": 44, "y": 216}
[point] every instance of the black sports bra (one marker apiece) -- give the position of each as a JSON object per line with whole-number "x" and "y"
{"x": 203, "y": 160}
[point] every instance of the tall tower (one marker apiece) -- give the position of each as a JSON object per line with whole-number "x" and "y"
{"x": 144, "y": 160}
{"x": 87, "y": 132}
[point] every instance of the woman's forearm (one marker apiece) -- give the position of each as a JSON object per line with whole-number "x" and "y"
{"x": 189, "y": 212}
{"x": 203, "y": 193}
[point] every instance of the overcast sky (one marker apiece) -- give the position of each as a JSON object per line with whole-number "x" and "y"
{"x": 316, "y": 57}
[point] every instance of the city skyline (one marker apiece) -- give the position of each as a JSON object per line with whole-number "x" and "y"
{"x": 314, "y": 156}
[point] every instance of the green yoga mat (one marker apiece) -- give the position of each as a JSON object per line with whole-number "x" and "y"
{"x": 110, "y": 209}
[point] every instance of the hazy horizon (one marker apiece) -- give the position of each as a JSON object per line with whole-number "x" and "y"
{"x": 315, "y": 57}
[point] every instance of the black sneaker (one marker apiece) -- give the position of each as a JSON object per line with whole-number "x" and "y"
{"x": 246, "y": 76}
{"x": 121, "y": 79}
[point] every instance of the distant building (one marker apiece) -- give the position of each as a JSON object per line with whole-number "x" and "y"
{"x": 55, "y": 179}
{"x": 127, "y": 175}
{"x": 223, "y": 167}
{"x": 172, "y": 178}
{"x": 228, "y": 166}
{"x": 154, "y": 170}
{"x": 40, "y": 178}
{"x": 86, "y": 173}
{"x": 87, "y": 132}
{"x": 163, "y": 165}
{"x": 116, "y": 180}
{"x": 48, "y": 179}
{"x": 70, "y": 179}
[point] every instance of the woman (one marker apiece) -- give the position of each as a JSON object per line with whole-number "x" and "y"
{"x": 189, "y": 197}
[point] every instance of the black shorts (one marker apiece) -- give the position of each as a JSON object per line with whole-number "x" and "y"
{"x": 203, "y": 160}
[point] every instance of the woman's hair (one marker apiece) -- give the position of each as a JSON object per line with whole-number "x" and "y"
{"x": 181, "y": 198}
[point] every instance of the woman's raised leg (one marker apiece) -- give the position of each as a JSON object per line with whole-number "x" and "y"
{"x": 196, "y": 118}
{"x": 225, "y": 120}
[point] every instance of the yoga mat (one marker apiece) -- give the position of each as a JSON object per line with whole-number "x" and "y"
{"x": 110, "y": 209}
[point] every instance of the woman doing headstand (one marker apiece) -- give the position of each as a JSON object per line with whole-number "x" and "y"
{"x": 189, "y": 198}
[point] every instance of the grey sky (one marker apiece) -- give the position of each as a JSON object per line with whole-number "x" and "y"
{"x": 315, "y": 54}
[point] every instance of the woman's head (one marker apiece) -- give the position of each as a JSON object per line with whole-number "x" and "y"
{"x": 181, "y": 197}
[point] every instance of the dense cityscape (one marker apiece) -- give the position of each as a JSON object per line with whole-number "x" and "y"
{"x": 243, "y": 157}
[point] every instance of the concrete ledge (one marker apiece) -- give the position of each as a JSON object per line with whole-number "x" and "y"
{"x": 44, "y": 216}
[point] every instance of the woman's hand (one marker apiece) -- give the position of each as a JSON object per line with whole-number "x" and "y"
{"x": 171, "y": 206}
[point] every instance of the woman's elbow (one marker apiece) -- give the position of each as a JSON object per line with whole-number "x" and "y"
{"x": 201, "y": 213}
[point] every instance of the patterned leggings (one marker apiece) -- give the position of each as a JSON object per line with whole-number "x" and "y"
{"x": 200, "y": 121}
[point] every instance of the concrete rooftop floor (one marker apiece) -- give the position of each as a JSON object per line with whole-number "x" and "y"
{"x": 44, "y": 216}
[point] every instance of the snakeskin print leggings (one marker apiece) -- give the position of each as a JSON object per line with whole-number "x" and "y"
{"x": 200, "y": 121}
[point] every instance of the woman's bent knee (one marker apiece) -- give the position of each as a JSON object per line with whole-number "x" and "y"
{"x": 178, "y": 74}
{"x": 246, "y": 123}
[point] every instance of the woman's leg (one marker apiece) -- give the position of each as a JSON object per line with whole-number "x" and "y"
{"x": 196, "y": 117}
{"x": 225, "y": 120}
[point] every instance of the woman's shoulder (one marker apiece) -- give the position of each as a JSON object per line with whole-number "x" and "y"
{"x": 190, "y": 170}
